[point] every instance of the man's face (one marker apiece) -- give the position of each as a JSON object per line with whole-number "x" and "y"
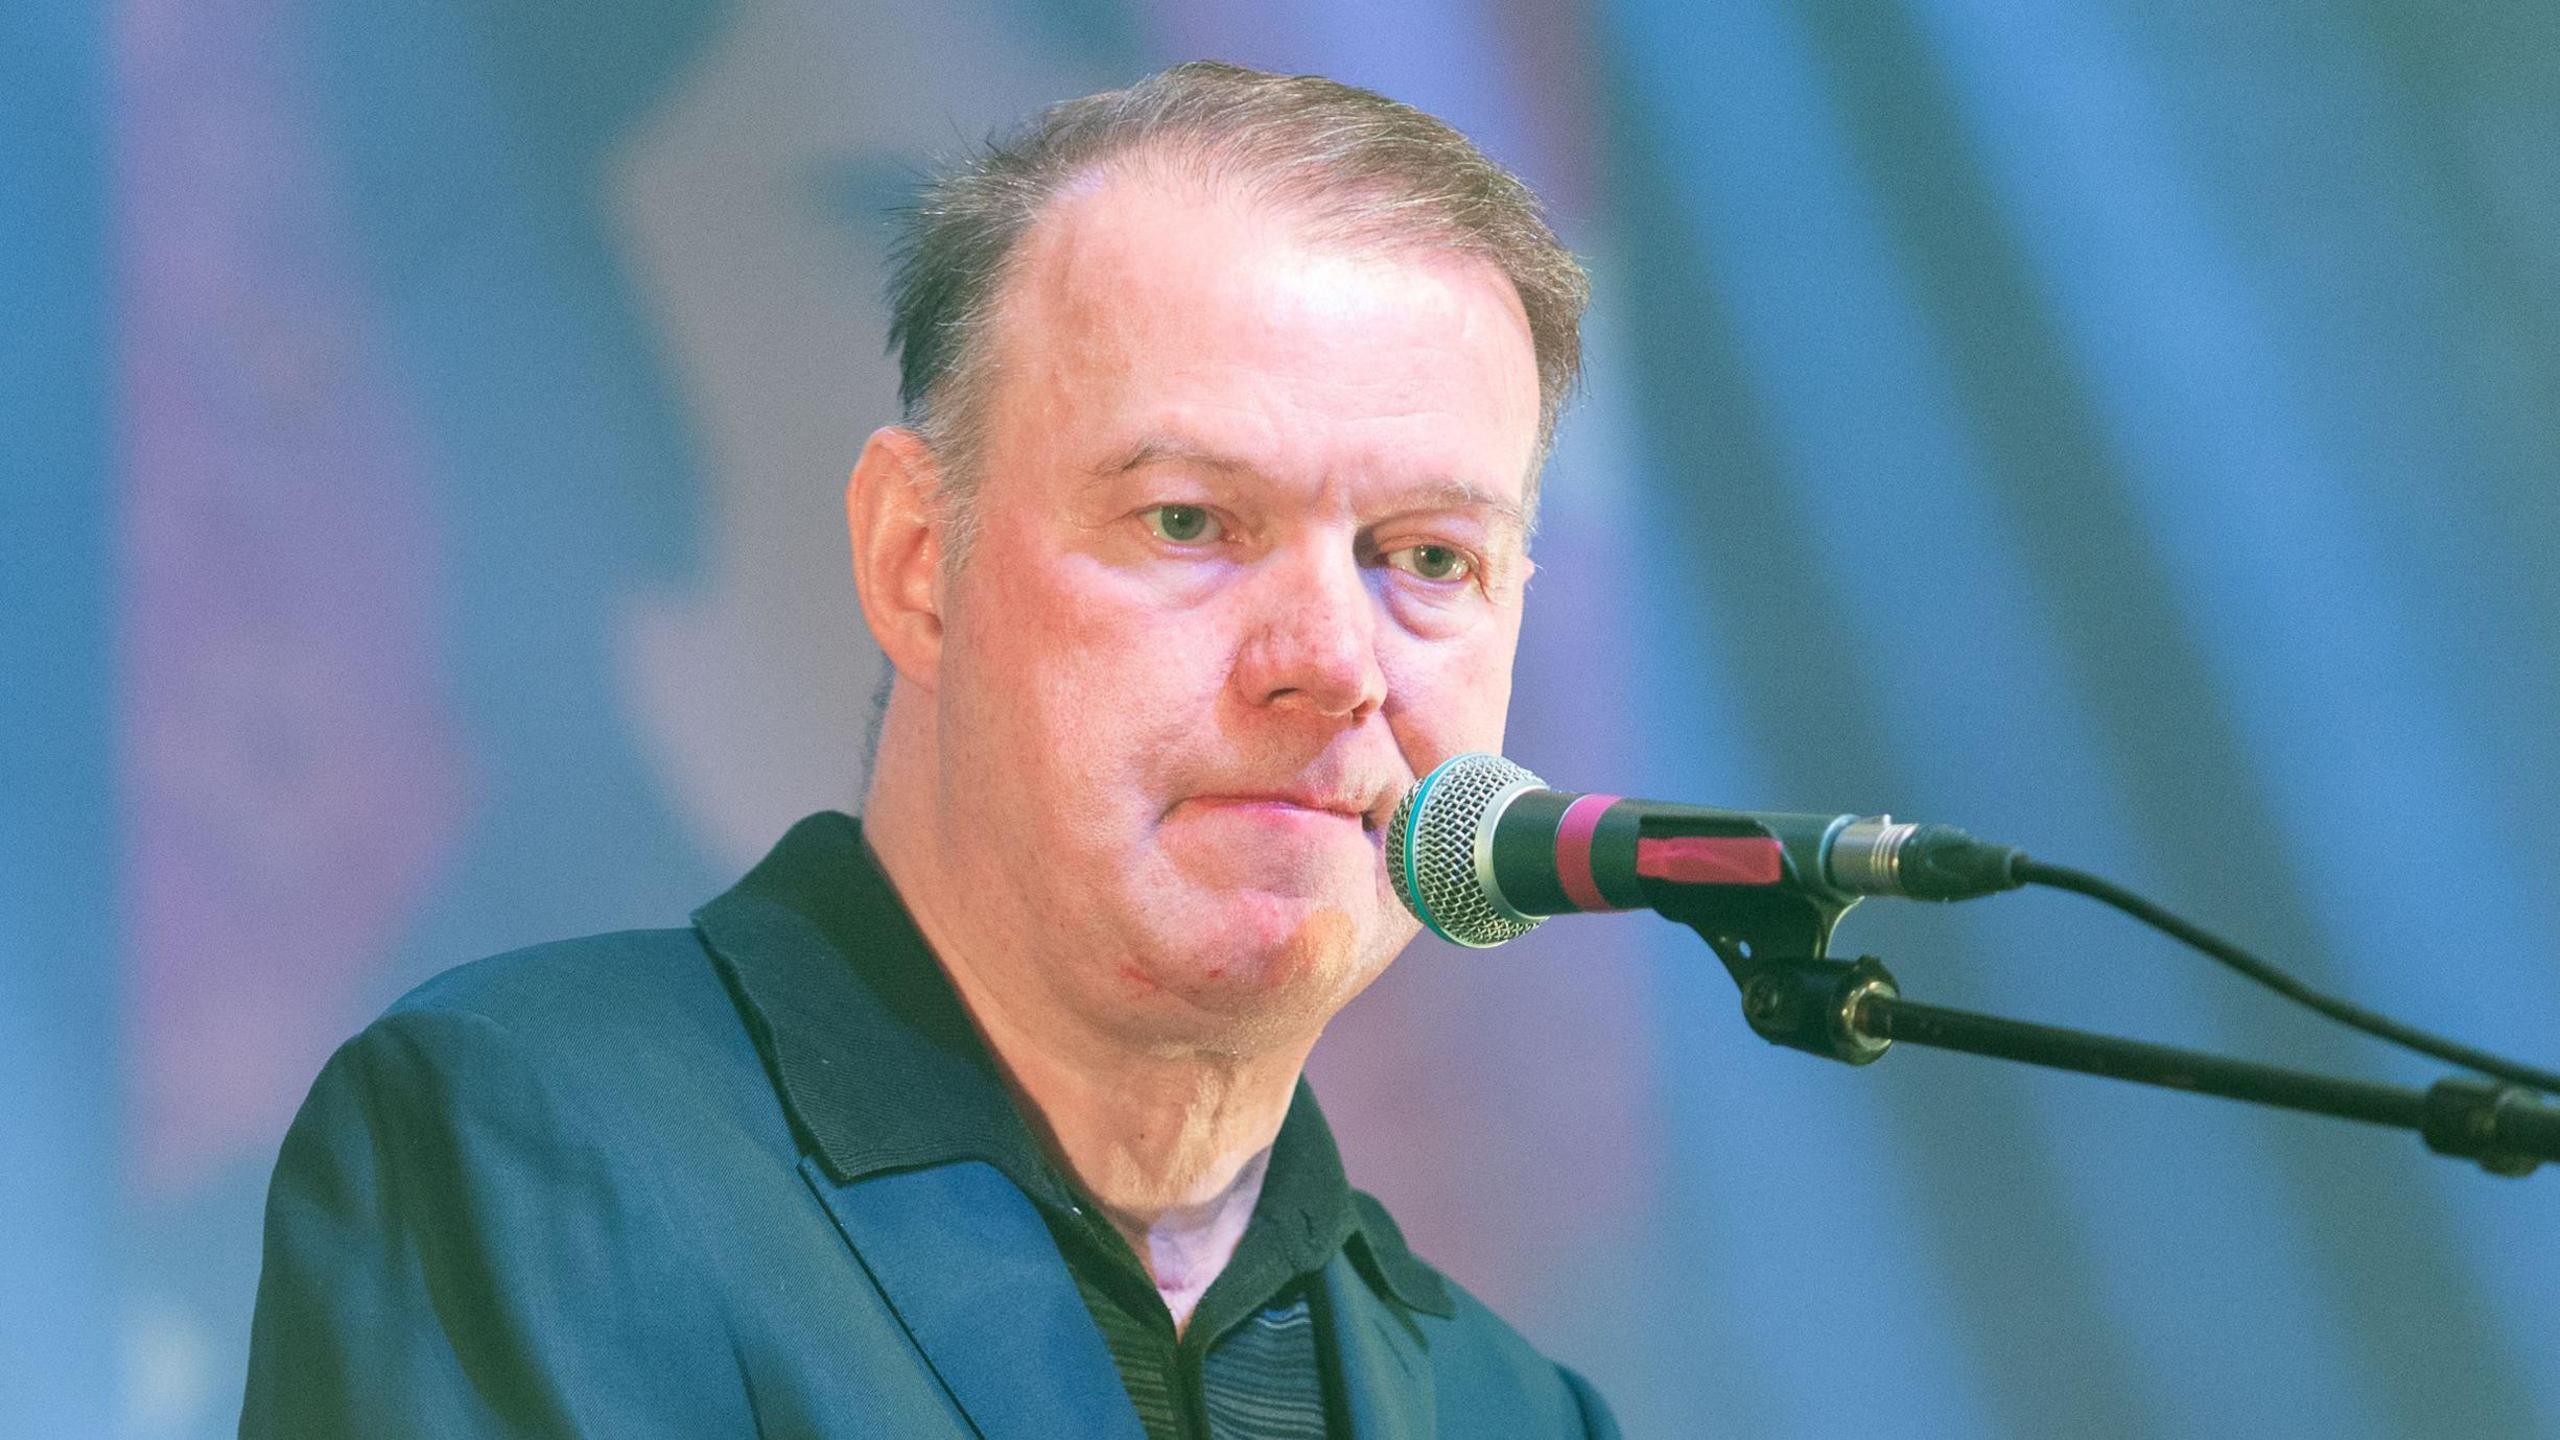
{"x": 1250, "y": 558}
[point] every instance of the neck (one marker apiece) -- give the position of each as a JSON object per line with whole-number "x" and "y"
{"x": 1170, "y": 1144}
{"x": 1170, "y": 1140}
{"x": 1171, "y": 1147}
{"x": 1153, "y": 1134}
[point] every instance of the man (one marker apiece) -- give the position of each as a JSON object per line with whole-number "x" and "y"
{"x": 1227, "y": 395}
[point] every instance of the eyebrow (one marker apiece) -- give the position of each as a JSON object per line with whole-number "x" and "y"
{"x": 1161, "y": 450}
{"x": 1442, "y": 494}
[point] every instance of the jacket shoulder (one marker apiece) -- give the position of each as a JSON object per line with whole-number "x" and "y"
{"x": 479, "y": 1181}
{"x": 620, "y": 978}
{"x": 635, "y": 1029}
{"x": 1486, "y": 1373}
{"x": 1480, "y": 1358}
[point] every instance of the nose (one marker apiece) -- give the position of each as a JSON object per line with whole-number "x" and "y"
{"x": 1313, "y": 641}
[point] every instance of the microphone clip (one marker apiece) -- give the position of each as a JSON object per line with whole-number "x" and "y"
{"x": 1820, "y": 1006}
{"x": 1774, "y": 942}
{"x": 1750, "y": 928}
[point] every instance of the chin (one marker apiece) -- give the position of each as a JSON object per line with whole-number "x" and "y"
{"x": 1271, "y": 965}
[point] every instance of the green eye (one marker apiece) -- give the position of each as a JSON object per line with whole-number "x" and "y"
{"x": 1432, "y": 562}
{"x": 1183, "y": 524}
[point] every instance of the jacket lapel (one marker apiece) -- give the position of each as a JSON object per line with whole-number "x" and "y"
{"x": 1387, "y": 1389}
{"x": 976, "y": 1279}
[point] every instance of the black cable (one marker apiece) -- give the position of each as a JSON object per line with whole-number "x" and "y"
{"x": 2080, "y": 882}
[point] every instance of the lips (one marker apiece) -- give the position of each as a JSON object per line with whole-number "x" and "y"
{"x": 1344, "y": 806}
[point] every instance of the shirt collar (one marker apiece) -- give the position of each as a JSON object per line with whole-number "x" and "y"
{"x": 880, "y": 1068}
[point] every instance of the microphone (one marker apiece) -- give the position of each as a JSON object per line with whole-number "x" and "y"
{"x": 1481, "y": 851}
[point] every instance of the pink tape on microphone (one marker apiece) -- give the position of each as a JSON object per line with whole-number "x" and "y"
{"x": 1712, "y": 860}
{"x": 1573, "y": 852}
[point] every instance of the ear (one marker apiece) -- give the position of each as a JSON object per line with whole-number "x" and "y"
{"x": 897, "y": 550}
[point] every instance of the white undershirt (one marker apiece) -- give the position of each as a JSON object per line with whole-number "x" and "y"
{"x": 1186, "y": 1247}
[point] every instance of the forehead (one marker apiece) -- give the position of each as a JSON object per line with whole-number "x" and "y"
{"x": 1152, "y": 309}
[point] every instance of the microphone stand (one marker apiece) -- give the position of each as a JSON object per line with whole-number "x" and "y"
{"x": 1852, "y": 1011}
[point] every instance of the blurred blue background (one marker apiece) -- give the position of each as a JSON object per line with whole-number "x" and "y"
{"x": 2127, "y": 429}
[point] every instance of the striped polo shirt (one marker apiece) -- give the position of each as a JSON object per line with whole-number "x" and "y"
{"x": 1251, "y": 1365}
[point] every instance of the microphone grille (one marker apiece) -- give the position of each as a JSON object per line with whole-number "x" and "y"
{"x": 1431, "y": 850}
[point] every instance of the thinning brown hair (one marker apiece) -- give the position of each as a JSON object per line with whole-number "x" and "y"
{"x": 1357, "y": 169}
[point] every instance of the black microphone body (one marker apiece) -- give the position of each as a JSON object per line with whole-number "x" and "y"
{"x": 1844, "y": 856}
{"x": 1481, "y": 850}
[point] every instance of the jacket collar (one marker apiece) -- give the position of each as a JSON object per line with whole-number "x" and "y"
{"x": 877, "y": 1061}
{"x": 966, "y": 1262}
{"x": 881, "y": 1069}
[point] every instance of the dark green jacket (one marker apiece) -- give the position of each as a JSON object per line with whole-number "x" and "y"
{"x": 621, "y": 1187}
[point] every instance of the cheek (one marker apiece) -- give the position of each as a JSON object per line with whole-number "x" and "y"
{"x": 1101, "y": 675}
{"x": 1453, "y": 696}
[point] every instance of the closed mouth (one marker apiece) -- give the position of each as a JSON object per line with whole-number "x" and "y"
{"x": 1347, "y": 810}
